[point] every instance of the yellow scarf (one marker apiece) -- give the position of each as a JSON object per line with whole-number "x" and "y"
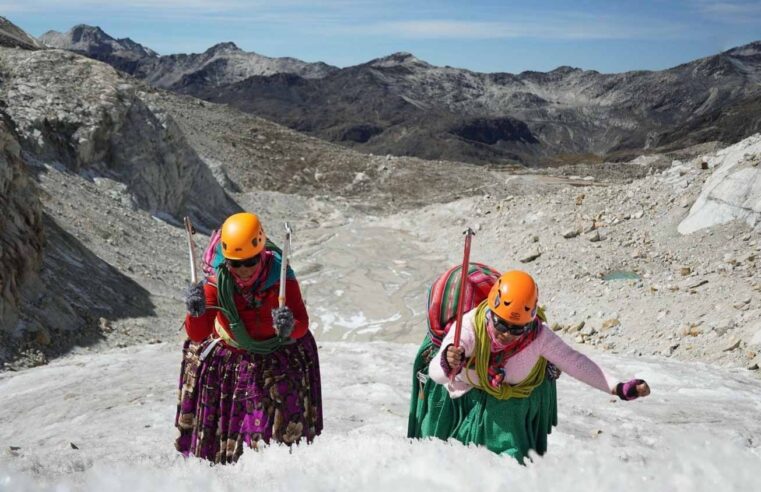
{"x": 481, "y": 356}
{"x": 225, "y": 335}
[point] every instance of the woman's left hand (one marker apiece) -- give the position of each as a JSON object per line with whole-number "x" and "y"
{"x": 283, "y": 320}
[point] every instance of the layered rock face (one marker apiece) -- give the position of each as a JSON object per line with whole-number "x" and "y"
{"x": 83, "y": 115}
{"x": 68, "y": 125}
{"x": 21, "y": 234}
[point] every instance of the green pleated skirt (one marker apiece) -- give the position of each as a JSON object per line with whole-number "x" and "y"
{"x": 510, "y": 427}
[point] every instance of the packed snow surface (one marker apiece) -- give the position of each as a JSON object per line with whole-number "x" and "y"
{"x": 697, "y": 431}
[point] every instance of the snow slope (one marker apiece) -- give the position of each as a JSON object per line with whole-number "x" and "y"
{"x": 698, "y": 431}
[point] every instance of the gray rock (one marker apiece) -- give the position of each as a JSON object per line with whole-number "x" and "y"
{"x": 593, "y": 236}
{"x": 733, "y": 192}
{"x": 530, "y": 256}
{"x": 756, "y": 337}
{"x": 692, "y": 283}
{"x": 588, "y": 331}
{"x": 732, "y": 345}
{"x": 573, "y": 328}
{"x": 748, "y": 257}
{"x": 724, "y": 326}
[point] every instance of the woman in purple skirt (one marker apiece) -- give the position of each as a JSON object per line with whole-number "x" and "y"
{"x": 250, "y": 371}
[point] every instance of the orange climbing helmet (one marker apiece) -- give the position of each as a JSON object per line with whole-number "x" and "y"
{"x": 242, "y": 236}
{"x": 514, "y": 297}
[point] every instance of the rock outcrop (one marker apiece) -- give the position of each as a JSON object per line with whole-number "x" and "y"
{"x": 73, "y": 125}
{"x": 733, "y": 192}
{"x": 83, "y": 115}
{"x": 21, "y": 237}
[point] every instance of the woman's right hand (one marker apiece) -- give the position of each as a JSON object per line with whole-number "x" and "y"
{"x": 195, "y": 301}
{"x": 455, "y": 357}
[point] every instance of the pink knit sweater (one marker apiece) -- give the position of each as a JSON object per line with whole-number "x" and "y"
{"x": 547, "y": 344}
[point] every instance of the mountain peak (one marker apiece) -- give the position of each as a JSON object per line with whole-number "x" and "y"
{"x": 566, "y": 69}
{"x": 750, "y": 49}
{"x": 82, "y": 32}
{"x": 12, "y": 35}
{"x": 226, "y": 47}
{"x": 124, "y": 54}
{"x": 397, "y": 59}
{"x": 132, "y": 45}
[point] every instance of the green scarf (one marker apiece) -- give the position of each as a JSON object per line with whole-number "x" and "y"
{"x": 242, "y": 339}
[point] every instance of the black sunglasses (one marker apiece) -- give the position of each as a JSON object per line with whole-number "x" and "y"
{"x": 503, "y": 326}
{"x": 248, "y": 262}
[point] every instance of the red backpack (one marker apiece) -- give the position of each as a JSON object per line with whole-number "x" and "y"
{"x": 445, "y": 292}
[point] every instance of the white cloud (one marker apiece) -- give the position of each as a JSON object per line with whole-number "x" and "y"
{"x": 302, "y": 14}
{"x": 143, "y": 8}
{"x": 732, "y": 12}
{"x": 12, "y": 8}
{"x": 180, "y": 7}
{"x": 558, "y": 27}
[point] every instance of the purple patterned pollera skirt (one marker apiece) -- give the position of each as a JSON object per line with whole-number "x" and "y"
{"x": 234, "y": 397}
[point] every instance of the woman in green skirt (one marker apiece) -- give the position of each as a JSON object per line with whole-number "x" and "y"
{"x": 497, "y": 388}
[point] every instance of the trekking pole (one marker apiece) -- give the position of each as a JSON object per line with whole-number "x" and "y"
{"x": 191, "y": 250}
{"x": 461, "y": 300}
{"x": 284, "y": 265}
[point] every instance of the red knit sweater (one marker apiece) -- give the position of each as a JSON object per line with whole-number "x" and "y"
{"x": 258, "y": 321}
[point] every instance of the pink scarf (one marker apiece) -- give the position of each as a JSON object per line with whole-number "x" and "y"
{"x": 501, "y": 352}
{"x": 511, "y": 347}
{"x": 257, "y": 276}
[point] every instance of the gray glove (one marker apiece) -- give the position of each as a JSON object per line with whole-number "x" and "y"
{"x": 553, "y": 372}
{"x": 195, "y": 300}
{"x": 282, "y": 319}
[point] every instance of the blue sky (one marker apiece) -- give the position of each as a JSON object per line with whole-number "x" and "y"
{"x": 483, "y": 35}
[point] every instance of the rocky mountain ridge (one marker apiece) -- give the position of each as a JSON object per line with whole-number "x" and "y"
{"x": 13, "y": 37}
{"x": 401, "y": 105}
{"x": 222, "y": 64}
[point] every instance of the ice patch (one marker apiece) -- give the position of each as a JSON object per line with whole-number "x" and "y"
{"x": 118, "y": 407}
{"x": 329, "y": 320}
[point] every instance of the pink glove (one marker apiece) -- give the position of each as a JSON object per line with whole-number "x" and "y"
{"x": 628, "y": 390}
